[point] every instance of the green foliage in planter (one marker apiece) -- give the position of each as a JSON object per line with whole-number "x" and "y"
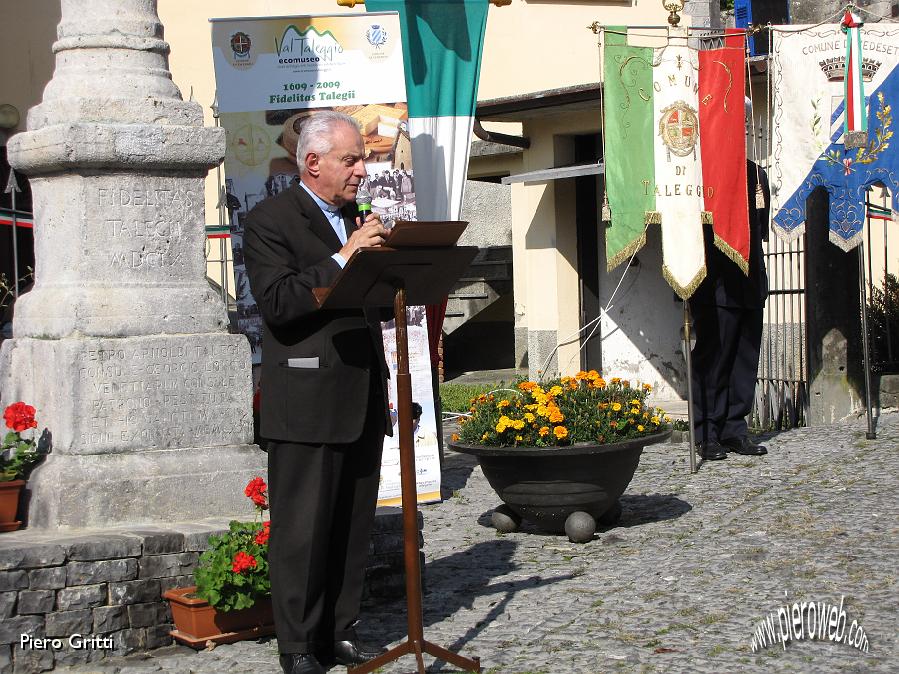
{"x": 232, "y": 572}
{"x": 563, "y": 411}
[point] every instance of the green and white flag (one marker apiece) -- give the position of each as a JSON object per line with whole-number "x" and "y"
{"x": 442, "y": 44}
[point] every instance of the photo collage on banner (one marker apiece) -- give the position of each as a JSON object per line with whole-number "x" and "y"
{"x": 271, "y": 75}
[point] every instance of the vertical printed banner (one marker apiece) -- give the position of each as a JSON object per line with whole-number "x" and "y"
{"x": 271, "y": 75}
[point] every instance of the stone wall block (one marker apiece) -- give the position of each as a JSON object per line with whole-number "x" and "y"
{"x": 53, "y": 578}
{"x": 111, "y": 570}
{"x": 129, "y": 640}
{"x": 134, "y": 591}
{"x": 36, "y": 601}
{"x": 81, "y": 596}
{"x": 7, "y": 604}
{"x": 66, "y": 623}
{"x": 13, "y": 580}
{"x": 72, "y": 657}
{"x": 164, "y": 566}
{"x": 158, "y": 636}
{"x": 31, "y": 556}
{"x": 104, "y": 547}
{"x": 166, "y": 584}
{"x": 147, "y": 615}
{"x": 160, "y": 542}
{"x": 110, "y": 619}
{"x": 12, "y": 629}
{"x": 32, "y": 661}
{"x": 5, "y": 659}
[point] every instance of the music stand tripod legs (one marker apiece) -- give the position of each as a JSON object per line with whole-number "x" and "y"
{"x": 415, "y": 643}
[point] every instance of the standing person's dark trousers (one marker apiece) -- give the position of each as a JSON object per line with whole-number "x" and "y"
{"x": 727, "y": 311}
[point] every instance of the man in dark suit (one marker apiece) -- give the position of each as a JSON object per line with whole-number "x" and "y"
{"x": 323, "y": 407}
{"x": 727, "y": 313}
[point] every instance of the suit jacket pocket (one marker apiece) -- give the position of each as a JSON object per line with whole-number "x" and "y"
{"x": 325, "y": 404}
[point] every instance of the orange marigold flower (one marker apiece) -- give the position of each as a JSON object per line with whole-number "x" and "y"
{"x": 502, "y": 403}
{"x": 615, "y": 380}
{"x": 560, "y": 432}
{"x": 647, "y": 387}
{"x": 544, "y": 431}
{"x": 454, "y": 437}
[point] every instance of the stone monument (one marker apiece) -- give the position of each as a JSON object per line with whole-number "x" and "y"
{"x": 122, "y": 344}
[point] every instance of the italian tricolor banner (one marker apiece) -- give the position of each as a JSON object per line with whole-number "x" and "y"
{"x": 442, "y": 43}
{"x": 675, "y": 154}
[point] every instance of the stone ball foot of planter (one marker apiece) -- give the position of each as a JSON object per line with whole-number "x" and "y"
{"x": 505, "y": 520}
{"x": 611, "y": 516}
{"x": 580, "y": 527}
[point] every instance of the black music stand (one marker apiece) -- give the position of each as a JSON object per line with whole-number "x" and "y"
{"x": 383, "y": 277}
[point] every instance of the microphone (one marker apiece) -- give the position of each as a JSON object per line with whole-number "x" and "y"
{"x": 363, "y": 201}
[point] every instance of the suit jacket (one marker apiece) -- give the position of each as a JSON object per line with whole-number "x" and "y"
{"x": 725, "y": 285}
{"x": 288, "y": 244}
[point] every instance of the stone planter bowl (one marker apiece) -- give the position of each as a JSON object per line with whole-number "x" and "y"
{"x": 560, "y": 489}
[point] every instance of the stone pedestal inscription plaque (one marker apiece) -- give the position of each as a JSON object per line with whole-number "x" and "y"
{"x": 121, "y": 345}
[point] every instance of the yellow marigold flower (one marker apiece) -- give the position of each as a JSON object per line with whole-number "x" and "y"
{"x": 630, "y": 421}
{"x": 647, "y": 387}
{"x": 646, "y": 415}
{"x": 541, "y": 411}
{"x": 635, "y": 402}
{"x": 560, "y": 432}
{"x": 566, "y": 379}
{"x": 518, "y": 424}
{"x": 635, "y": 410}
{"x": 667, "y": 418}
{"x": 615, "y": 380}
{"x": 593, "y": 375}
{"x": 616, "y": 407}
{"x": 529, "y": 417}
{"x": 640, "y": 428}
{"x": 655, "y": 421}
{"x": 502, "y": 403}
{"x": 544, "y": 431}
{"x": 454, "y": 437}
{"x": 555, "y": 390}
{"x": 518, "y": 438}
{"x": 540, "y": 397}
{"x": 484, "y": 437}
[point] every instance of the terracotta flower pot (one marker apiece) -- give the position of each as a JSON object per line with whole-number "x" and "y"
{"x": 197, "y": 623}
{"x": 560, "y": 489}
{"x": 9, "y": 504}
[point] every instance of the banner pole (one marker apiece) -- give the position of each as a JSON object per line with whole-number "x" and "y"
{"x": 863, "y": 300}
{"x": 689, "y": 360}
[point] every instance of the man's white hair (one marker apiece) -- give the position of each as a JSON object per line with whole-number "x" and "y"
{"x": 315, "y": 134}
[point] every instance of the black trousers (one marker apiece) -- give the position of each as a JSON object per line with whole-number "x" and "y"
{"x": 322, "y": 500}
{"x": 725, "y": 367}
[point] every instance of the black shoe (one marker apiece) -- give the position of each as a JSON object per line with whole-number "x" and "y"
{"x": 744, "y": 446}
{"x": 351, "y": 652}
{"x": 711, "y": 451}
{"x": 300, "y": 663}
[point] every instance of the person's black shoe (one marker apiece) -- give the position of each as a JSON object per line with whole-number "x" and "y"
{"x": 300, "y": 663}
{"x": 711, "y": 451}
{"x": 352, "y": 652}
{"x": 744, "y": 446}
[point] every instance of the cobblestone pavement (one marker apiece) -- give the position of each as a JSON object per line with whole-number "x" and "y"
{"x": 680, "y": 584}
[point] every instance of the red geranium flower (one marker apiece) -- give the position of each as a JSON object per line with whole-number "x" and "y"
{"x": 256, "y": 491}
{"x": 242, "y": 562}
{"x": 19, "y": 417}
{"x": 263, "y": 534}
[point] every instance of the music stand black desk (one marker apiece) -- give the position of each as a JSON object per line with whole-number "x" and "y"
{"x": 381, "y": 277}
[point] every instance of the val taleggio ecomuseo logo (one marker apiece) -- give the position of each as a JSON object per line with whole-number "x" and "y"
{"x": 376, "y": 35}
{"x": 240, "y": 46}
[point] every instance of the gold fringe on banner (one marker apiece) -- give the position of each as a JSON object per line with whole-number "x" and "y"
{"x": 684, "y": 292}
{"x": 626, "y": 252}
{"x": 706, "y": 218}
{"x": 732, "y": 254}
{"x": 652, "y": 218}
